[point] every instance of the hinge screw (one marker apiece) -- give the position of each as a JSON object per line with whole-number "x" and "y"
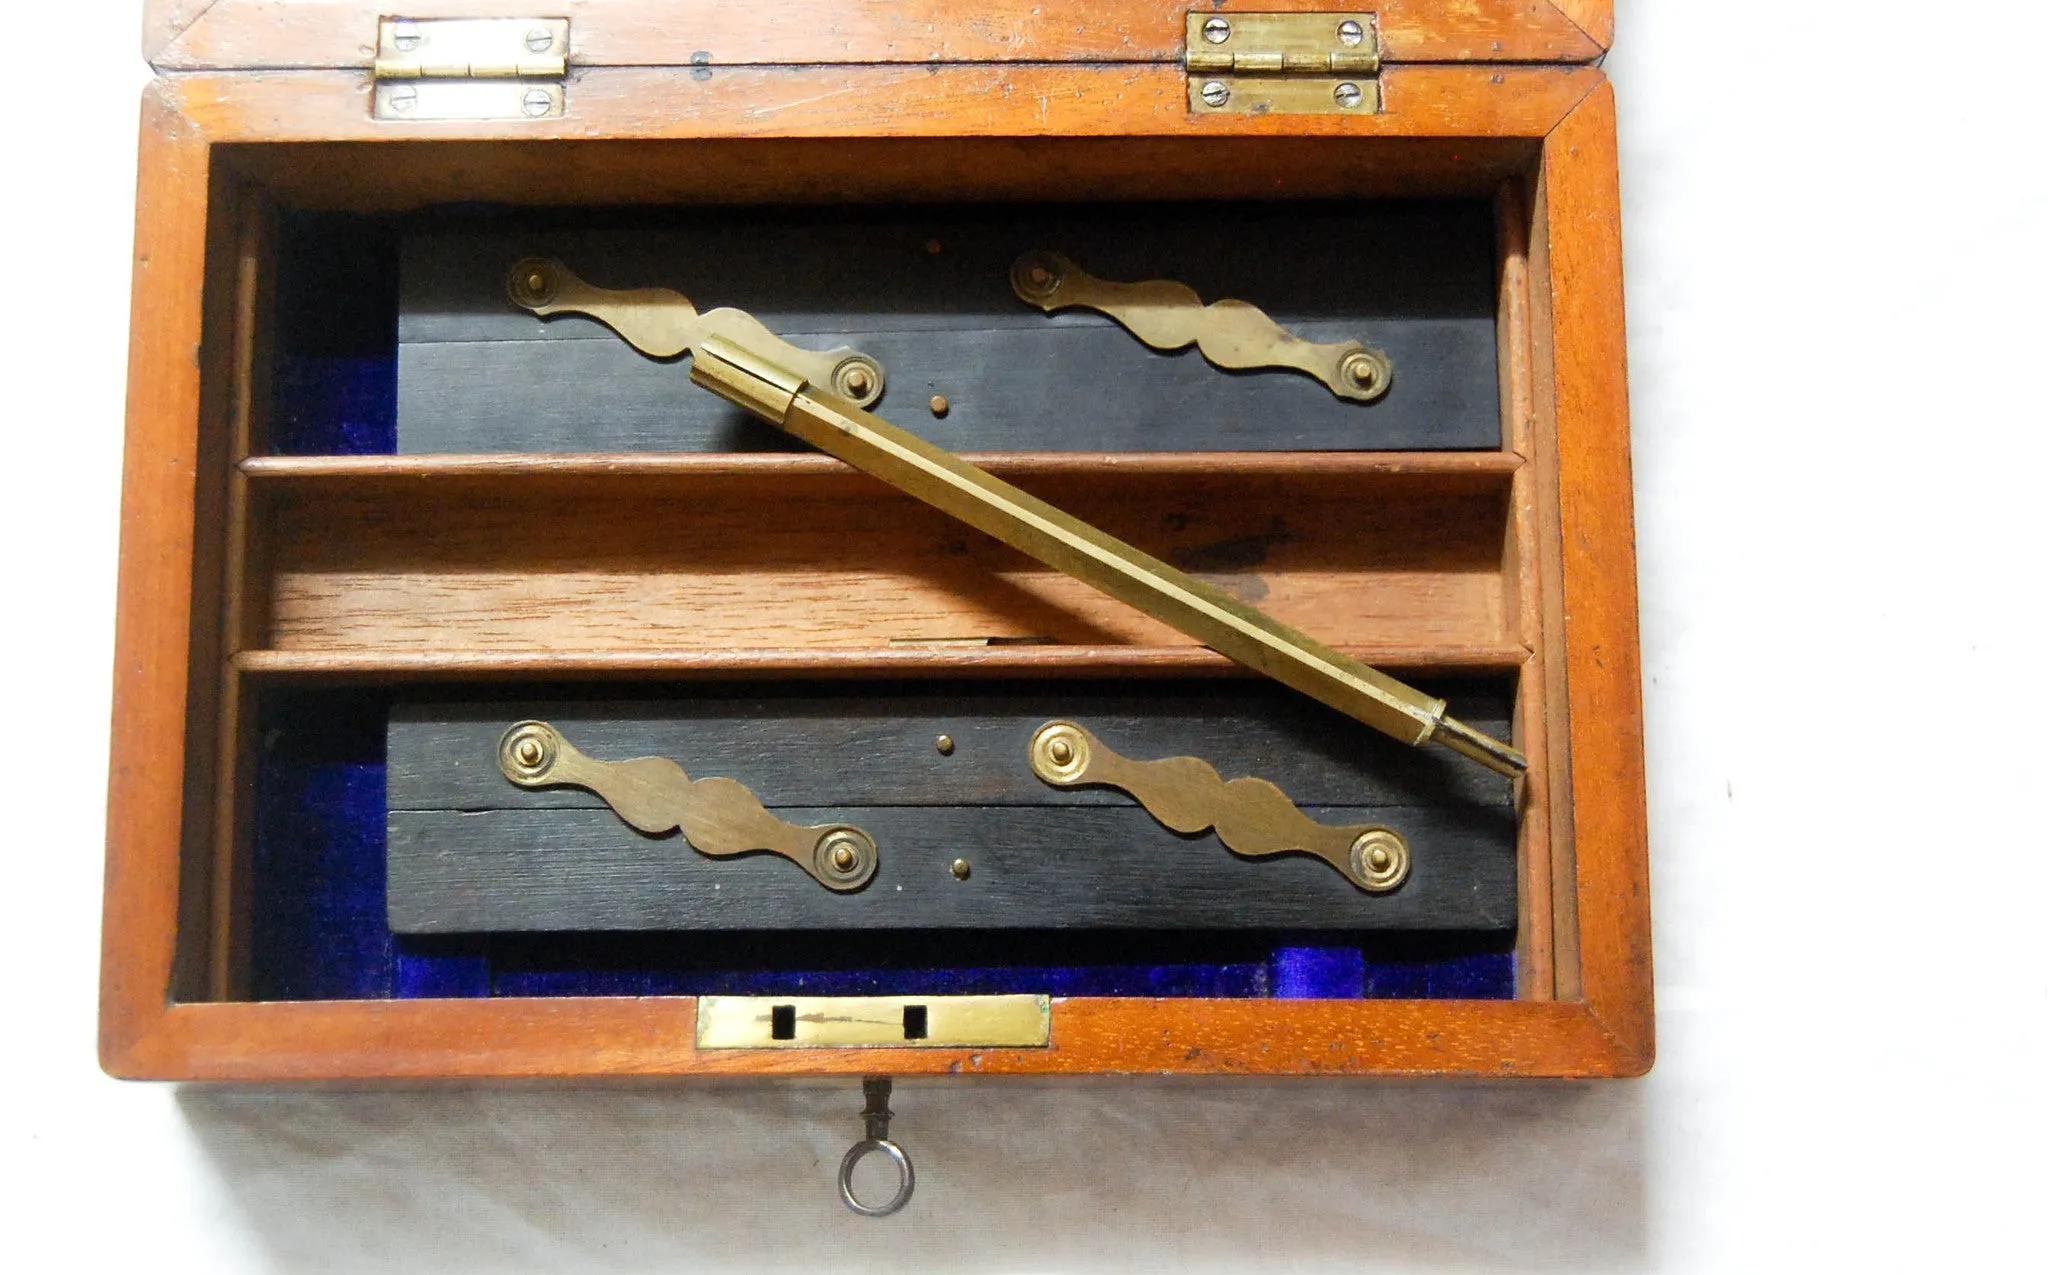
{"x": 540, "y": 40}
{"x": 1215, "y": 93}
{"x": 1216, "y": 30}
{"x": 406, "y": 41}
{"x": 538, "y": 102}
{"x": 1350, "y": 32}
{"x": 1348, "y": 95}
{"x": 404, "y": 97}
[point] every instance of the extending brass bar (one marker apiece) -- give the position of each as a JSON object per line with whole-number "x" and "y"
{"x": 1251, "y": 816}
{"x": 1092, "y": 556}
{"x": 720, "y": 817}
{"x": 1231, "y": 334}
{"x": 662, "y": 323}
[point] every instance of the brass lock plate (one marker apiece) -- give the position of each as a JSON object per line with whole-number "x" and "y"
{"x": 852, "y": 1022}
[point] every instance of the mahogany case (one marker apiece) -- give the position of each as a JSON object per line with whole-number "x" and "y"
{"x": 253, "y": 574}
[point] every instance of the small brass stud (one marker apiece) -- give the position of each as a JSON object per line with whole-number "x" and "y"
{"x": 843, "y": 857}
{"x": 933, "y": 247}
{"x": 1040, "y": 276}
{"x": 858, "y": 382}
{"x": 1060, "y": 751}
{"x": 962, "y": 869}
{"x": 529, "y": 751}
{"x": 1361, "y": 369}
{"x": 940, "y": 406}
{"x": 945, "y": 745}
{"x": 1379, "y": 860}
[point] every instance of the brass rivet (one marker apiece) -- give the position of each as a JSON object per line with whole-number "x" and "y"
{"x": 1380, "y": 858}
{"x": 932, "y": 246}
{"x": 945, "y": 743}
{"x": 858, "y": 382}
{"x": 1361, "y": 370}
{"x": 1060, "y": 751}
{"x": 940, "y": 406}
{"x": 1040, "y": 276}
{"x": 962, "y": 869}
{"x": 536, "y": 283}
{"x": 528, "y": 751}
{"x": 843, "y": 857}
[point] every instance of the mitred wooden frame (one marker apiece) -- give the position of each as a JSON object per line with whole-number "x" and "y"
{"x": 217, "y": 143}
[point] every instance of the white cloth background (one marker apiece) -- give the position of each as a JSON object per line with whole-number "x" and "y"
{"x": 1835, "y": 228}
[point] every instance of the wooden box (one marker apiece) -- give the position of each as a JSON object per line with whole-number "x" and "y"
{"x": 269, "y": 583}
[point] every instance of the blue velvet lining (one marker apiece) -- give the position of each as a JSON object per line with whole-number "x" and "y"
{"x": 334, "y": 368}
{"x": 319, "y": 928}
{"x": 334, "y": 404}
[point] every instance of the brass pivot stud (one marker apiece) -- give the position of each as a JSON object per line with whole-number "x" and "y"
{"x": 1364, "y": 371}
{"x": 857, "y": 379}
{"x": 1059, "y": 752}
{"x": 944, "y": 744}
{"x": 531, "y": 283}
{"x": 527, "y": 753}
{"x": 1379, "y": 860}
{"x": 1035, "y": 276}
{"x": 962, "y": 869}
{"x": 845, "y": 856}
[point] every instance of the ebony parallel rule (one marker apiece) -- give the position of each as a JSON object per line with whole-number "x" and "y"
{"x": 926, "y": 291}
{"x": 471, "y": 852}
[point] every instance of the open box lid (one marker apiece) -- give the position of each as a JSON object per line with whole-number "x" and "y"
{"x": 286, "y": 35}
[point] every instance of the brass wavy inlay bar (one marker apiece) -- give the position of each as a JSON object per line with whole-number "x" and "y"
{"x": 663, "y": 323}
{"x": 720, "y": 817}
{"x": 1231, "y": 334}
{"x": 1251, "y": 816}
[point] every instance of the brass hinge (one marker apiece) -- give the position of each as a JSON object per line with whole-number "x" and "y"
{"x": 1283, "y": 63}
{"x": 470, "y": 68}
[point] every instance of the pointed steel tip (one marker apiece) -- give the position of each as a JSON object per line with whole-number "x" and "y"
{"x": 1484, "y": 749}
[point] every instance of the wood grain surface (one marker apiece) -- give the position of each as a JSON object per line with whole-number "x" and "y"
{"x": 1023, "y": 100}
{"x": 1602, "y": 651}
{"x": 839, "y": 560}
{"x": 146, "y": 815}
{"x": 193, "y": 34}
{"x": 622, "y": 1037}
